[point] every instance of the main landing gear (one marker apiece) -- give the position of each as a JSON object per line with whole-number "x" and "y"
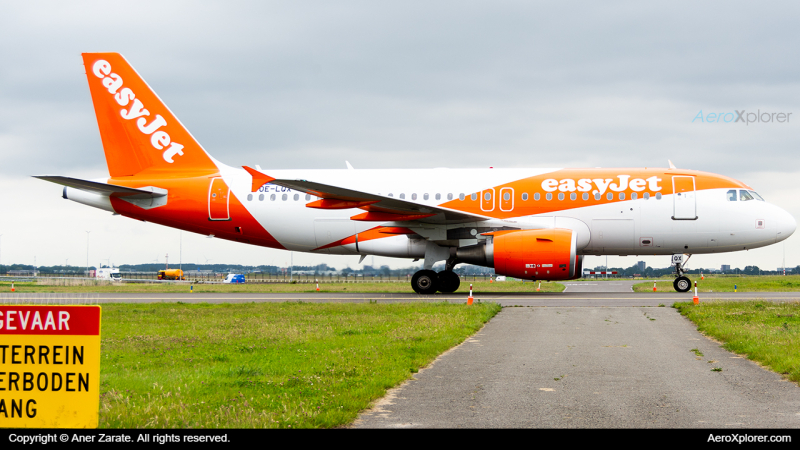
{"x": 427, "y": 282}
{"x": 681, "y": 283}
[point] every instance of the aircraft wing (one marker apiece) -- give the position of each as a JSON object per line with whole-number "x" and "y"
{"x": 103, "y": 188}
{"x": 378, "y": 207}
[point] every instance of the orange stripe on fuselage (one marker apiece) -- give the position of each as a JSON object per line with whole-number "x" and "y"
{"x": 567, "y": 181}
{"x": 187, "y": 208}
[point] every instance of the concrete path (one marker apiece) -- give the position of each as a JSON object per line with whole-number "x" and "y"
{"x": 556, "y": 367}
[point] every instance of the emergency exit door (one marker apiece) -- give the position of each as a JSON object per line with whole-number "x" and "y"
{"x": 218, "y": 200}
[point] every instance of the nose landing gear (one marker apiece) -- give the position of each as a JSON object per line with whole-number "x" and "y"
{"x": 681, "y": 283}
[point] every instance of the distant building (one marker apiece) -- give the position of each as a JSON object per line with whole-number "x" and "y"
{"x": 726, "y": 267}
{"x": 641, "y": 265}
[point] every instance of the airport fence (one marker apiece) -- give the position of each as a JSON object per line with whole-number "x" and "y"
{"x": 49, "y": 298}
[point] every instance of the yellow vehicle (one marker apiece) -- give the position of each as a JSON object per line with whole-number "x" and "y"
{"x": 171, "y": 274}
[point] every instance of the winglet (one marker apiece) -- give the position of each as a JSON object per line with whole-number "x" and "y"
{"x": 259, "y": 179}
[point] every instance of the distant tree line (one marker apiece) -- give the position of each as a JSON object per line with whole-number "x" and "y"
{"x": 366, "y": 270}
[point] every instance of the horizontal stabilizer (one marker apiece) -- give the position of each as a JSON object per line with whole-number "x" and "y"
{"x": 105, "y": 189}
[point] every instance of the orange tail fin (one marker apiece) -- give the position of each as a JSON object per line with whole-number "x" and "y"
{"x": 138, "y": 131}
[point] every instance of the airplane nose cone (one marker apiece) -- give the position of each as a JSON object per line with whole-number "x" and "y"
{"x": 786, "y": 225}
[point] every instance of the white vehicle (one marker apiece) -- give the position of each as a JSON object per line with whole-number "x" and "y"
{"x": 530, "y": 224}
{"x": 107, "y": 273}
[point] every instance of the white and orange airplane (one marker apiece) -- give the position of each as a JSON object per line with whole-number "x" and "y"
{"x": 534, "y": 224}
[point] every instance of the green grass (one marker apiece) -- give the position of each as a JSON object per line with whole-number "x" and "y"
{"x": 361, "y": 287}
{"x": 274, "y": 365}
{"x": 766, "y": 332}
{"x": 744, "y": 283}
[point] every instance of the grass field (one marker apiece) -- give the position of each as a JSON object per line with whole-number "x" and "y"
{"x": 766, "y": 332}
{"x": 286, "y": 365}
{"x": 365, "y": 287}
{"x": 743, "y": 283}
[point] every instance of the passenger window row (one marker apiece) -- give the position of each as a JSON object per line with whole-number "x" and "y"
{"x": 745, "y": 195}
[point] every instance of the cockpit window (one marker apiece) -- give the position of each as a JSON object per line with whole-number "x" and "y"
{"x": 757, "y": 197}
{"x": 745, "y": 196}
{"x": 732, "y": 195}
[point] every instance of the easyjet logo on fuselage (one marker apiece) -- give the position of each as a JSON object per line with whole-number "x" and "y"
{"x": 600, "y": 185}
{"x": 158, "y": 139}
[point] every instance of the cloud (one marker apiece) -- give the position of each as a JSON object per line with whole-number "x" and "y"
{"x": 411, "y": 84}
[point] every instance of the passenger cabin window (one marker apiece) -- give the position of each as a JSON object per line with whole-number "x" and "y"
{"x": 272, "y": 197}
{"x": 414, "y": 196}
{"x": 425, "y": 196}
{"x": 646, "y": 196}
{"x": 403, "y": 196}
{"x": 658, "y": 195}
{"x": 525, "y": 196}
{"x": 249, "y": 197}
{"x": 537, "y": 196}
{"x": 308, "y": 197}
{"x": 597, "y": 196}
{"x": 561, "y": 196}
{"x": 261, "y": 197}
{"x": 296, "y": 197}
{"x": 284, "y": 197}
{"x": 745, "y": 196}
{"x": 450, "y": 196}
{"x": 731, "y": 195}
{"x": 573, "y": 196}
{"x": 549, "y": 196}
{"x": 391, "y": 195}
{"x": 585, "y": 196}
{"x": 634, "y": 196}
{"x": 461, "y": 197}
{"x": 474, "y": 196}
{"x": 439, "y": 196}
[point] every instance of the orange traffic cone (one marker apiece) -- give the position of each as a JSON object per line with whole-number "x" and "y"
{"x": 701, "y": 276}
{"x": 470, "y": 299}
{"x": 317, "y": 286}
{"x": 491, "y": 280}
{"x": 12, "y": 286}
{"x": 695, "y": 299}
{"x": 654, "y": 286}
{"x": 539, "y": 287}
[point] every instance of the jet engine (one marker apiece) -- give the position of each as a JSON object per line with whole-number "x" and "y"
{"x": 545, "y": 254}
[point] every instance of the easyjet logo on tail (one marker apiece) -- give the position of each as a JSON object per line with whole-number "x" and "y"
{"x": 159, "y": 139}
{"x": 600, "y": 185}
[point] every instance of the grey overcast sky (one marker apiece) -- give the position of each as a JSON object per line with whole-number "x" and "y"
{"x": 310, "y": 84}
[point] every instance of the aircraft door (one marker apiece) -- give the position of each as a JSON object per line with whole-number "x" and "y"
{"x": 218, "y": 200}
{"x": 684, "y": 198}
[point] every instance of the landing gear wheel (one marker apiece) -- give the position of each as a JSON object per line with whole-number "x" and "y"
{"x": 448, "y": 281}
{"x": 425, "y": 282}
{"x": 682, "y": 284}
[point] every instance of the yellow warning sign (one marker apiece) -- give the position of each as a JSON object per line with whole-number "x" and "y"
{"x": 49, "y": 366}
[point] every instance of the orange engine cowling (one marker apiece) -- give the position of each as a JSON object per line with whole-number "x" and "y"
{"x": 545, "y": 254}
